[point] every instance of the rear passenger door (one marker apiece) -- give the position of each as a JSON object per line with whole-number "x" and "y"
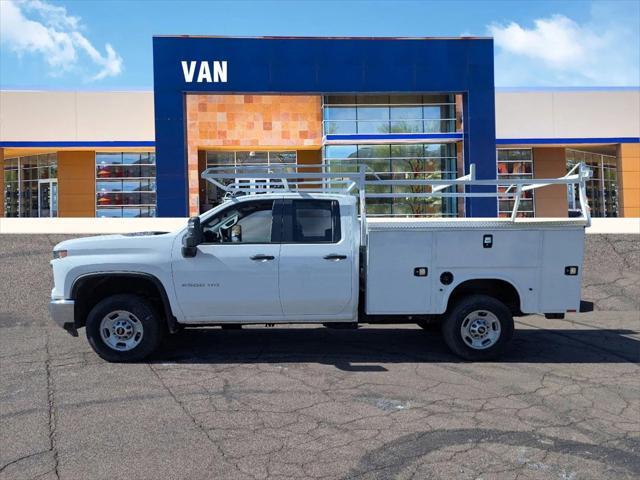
{"x": 316, "y": 260}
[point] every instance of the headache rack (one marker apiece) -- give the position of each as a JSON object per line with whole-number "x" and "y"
{"x": 305, "y": 178}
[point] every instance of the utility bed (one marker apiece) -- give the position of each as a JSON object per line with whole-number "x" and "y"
{"x": 433, "y": 223}
{"x": 454, "y": 251}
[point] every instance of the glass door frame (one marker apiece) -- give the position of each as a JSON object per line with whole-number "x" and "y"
{"x": 53, "y": 212}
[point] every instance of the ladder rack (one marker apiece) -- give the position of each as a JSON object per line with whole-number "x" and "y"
{"x": 280, "y": 178}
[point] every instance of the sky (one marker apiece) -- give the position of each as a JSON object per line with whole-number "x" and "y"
{"x": 106, "y": 44}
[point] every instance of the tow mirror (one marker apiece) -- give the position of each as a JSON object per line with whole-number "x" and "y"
{"x": 192, "y": 238}
{"x": 236, "y": 233}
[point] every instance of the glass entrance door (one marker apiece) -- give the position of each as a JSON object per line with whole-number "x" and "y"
{"x": 48, "y": 198}
{"x": 602, "y": 187}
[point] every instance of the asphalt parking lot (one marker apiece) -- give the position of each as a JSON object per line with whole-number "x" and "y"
{"x": 296, "y": 403}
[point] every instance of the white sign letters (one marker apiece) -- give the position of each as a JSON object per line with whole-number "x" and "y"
{"x": 204, "y": 72}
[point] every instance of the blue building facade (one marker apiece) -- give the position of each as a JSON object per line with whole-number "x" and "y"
{"x": 388, "y": 101}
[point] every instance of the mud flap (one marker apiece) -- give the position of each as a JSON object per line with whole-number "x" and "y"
{"x": 585, "y": 306}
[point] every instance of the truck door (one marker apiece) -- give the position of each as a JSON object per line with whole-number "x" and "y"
{"x": 316, "y": 260}
{"x": 234, "y": 274}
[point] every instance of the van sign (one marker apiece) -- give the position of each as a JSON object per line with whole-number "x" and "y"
{"x": 207, "y": 72}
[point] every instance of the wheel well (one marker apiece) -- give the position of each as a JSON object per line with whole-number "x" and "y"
{"x": 498, "y": 289}
{"x": 88, "y": 290}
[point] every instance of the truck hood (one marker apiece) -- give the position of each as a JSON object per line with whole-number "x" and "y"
{"x": 123, "y": 243}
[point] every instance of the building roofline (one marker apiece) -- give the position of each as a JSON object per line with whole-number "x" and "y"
{"x": 270, "y": 37}
{"x": 568, "y": 89}
{"x": 150, "y": 89}
{"x": 76, "y": 90}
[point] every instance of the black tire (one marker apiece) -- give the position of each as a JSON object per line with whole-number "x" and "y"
{"x": 151, "y": 324}
{"x": 453, "y": 324}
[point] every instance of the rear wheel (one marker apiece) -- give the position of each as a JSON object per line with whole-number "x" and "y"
{"x": 124, "y": 328}
{"x": 478, "y": 328}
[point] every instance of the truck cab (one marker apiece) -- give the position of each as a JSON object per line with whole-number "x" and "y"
{"x": 295, "y": 256}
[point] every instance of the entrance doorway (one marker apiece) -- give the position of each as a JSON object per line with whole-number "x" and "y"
{"x": 210, "y": 195}
{"x": 30, "y": 186}
{"x": 48, "y": 198}
{"x": 602, "y": 187}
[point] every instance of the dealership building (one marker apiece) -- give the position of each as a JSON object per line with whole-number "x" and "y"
{"x": 407, "y": 108}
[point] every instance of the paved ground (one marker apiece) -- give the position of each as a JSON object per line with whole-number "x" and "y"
{"x": 282, "y": 403}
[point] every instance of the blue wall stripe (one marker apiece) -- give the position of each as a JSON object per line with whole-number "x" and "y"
{"x": 569, "y": 141}
{"x": 417, "y": 136}
{"x": 149, "y": 143}
{"x": 396, "y": 136}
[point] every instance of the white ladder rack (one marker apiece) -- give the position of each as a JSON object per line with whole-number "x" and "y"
{"x": 260, "y": 179}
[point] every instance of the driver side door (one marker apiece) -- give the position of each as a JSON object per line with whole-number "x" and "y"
{"x": 234, "y": 274}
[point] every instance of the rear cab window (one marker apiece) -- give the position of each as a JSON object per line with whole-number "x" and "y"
{"x": 312, "y": 221}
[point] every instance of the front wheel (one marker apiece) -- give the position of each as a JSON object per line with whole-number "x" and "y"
{"x": 124, "y": 328}
{"x": 478, "y": 328}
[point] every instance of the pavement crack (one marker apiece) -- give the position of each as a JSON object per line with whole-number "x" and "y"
{"x": 52, "y": 410}
{"x": 25, "y": 457}
{"x": 186, "y": 411}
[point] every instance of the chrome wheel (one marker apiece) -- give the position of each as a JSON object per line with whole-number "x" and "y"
{"x": 121, "y": 330}
{"x": 480, "y": 329}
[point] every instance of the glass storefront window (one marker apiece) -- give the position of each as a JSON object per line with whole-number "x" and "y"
{"x": 125, "y": 184}
{"x": 221, "y": 158}
{"x": 125, "y": 212}
{"x": 515, "y": 163}
{"x": 405, "y": 113}
{"x": 108, "y": 158}
{"x": 282, "y": 157}
{"x": 340, "y": 113}
{"x": 341, "y": 151}
{"x": 373, "y": 119}
{"x": 375, "y": 114}
{"x": 213, "y": 195}
{"x": 400, "y": 162}
{"x": 30, "y": 186}
{"x": 405, "y": 119}
{"x": 340, "y": 119}
{"x": 602, "y": 187}
{"x": 252, "y": 158}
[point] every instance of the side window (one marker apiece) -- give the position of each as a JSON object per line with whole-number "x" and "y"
{"x": 315, "y": 221}
{"x": 247, "y": 222}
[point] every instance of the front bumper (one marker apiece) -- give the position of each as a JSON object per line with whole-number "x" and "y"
{"x": 62, "y": 312}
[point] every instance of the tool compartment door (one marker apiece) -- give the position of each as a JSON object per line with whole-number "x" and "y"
{"x": 394, "y": 286}
{"x": 562, "y": 249}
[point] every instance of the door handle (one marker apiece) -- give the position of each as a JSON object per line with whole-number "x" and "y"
{"x": 262, "y": 258}
{"x": 335, "y": 256}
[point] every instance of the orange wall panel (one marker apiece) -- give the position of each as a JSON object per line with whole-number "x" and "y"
{"x": 629, "y": 179}
{"x": 550, "y": 201}
{"x": 310, "y": 157}
{"x": 248, "y": 122}
{"x": 76, "y": 184}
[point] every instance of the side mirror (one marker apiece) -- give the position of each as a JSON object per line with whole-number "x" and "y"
{"x": 192, "y": 238}
{"x": 236, "y": 233}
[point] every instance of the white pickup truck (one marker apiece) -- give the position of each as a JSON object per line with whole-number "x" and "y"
{"x": 310, "y": 257}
